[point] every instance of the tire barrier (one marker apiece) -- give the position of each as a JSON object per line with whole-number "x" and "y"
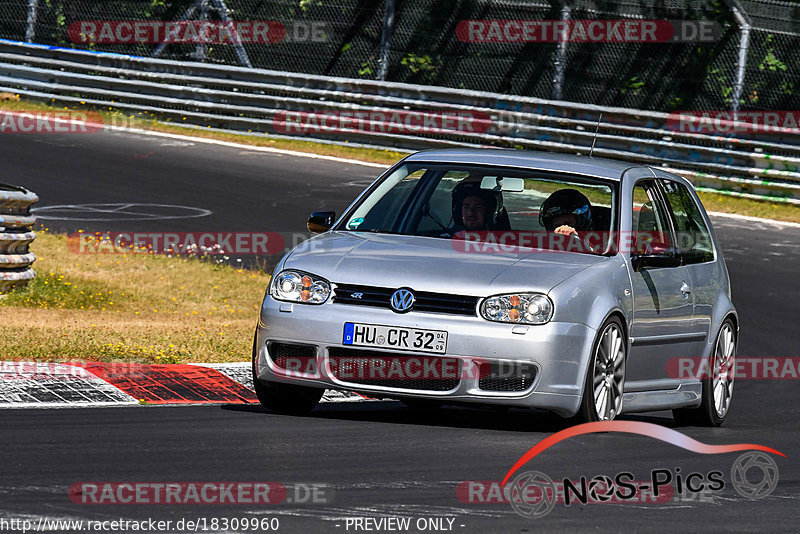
{"x": 16, "y": 235}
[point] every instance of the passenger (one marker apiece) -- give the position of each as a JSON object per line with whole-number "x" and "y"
{"x": 477, "y": 209}
{"x": 566, "y": 212}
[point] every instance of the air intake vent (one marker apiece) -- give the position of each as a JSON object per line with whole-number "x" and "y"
{"x": 506, "y": 376}
{"x": 425, "y": 301}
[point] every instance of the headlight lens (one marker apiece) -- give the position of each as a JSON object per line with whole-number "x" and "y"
{"x": 523, "y": 308}
{"x": 297, "y": 286}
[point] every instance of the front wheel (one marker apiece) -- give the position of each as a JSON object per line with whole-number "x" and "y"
{"x": 717, "y": 388}
{"x": 283, "y": 398}
{"x": 605, "y": 378}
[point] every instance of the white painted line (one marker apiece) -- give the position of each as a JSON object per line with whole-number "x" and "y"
{"x": 116, "y": 212}
{"x": 62, "y": 405}
{"x": 226, "y": 365}
{"x": 255, "y": 148}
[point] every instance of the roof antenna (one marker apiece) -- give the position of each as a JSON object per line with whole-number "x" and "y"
{"x": 594, "y": 139}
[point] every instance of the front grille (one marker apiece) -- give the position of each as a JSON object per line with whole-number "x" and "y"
{"x": 293, "y": 357}
{"x": 425, "y": 301}
{"x": 506, "y": 376}
{"x": 394, "y": 370}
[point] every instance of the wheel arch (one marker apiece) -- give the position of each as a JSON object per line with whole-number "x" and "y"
{"x": 723, "y": 311}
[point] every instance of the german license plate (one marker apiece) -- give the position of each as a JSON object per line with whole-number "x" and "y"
{"x": 395, "y": 337}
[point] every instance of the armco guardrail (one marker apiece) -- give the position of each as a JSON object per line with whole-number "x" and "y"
{"x": 235, "y": 98}
{"x": 16, "y": 235}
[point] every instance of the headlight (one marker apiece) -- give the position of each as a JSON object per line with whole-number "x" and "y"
{"x": 297, "y": 286}
{"x": 525, "y": 308}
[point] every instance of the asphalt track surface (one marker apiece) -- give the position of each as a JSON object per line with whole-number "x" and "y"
{"x": 378, "y": 459}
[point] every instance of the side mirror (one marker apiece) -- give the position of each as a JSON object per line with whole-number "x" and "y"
{"x": 669, "y": 258}
{"x": 320, "y": 221}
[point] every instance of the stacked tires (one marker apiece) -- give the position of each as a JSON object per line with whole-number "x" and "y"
{"x": 16, "y": 235}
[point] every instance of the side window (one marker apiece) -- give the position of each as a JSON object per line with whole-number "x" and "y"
{"x": 650, "y": 224}
{"x": 693, "y": 236}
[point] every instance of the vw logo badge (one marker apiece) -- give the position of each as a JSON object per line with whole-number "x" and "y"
{"x": 402, "y": 301}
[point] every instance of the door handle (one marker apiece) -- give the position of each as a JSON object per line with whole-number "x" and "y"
{"x": 686, "y": 290}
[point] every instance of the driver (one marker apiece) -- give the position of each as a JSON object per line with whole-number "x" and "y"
{"x": 476, "y": 209}
{"x": 566, "y": 212}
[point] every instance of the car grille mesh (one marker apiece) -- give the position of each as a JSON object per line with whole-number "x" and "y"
{"x": 506, "y": 376}
{"x": 425, "y": 301}
{"x": 366, "y": 367}
{"x": 293, "y": 356}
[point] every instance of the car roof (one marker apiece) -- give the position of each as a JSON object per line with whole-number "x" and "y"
{"x": 528, "y": 159}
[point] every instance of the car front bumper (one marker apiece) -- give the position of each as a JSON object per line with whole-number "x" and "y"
{"x": 559, "y": 352}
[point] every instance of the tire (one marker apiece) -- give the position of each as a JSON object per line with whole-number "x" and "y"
{"x": 717, "y": 391}
{"x": 605, "y": 377}
{"x": 283, "y": 398}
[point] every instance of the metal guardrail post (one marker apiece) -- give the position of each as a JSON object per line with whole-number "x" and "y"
{"x": 30, "y": 29}
{"x": 744, "y": 44}
{"x": 386, "y": 38}
{"x": 184, "y": 17}
{"x": 201, "y": 49}
{"x": 561, "y": 54}
{"x": 241, "y": 53}
{"x": 224, "y": 15}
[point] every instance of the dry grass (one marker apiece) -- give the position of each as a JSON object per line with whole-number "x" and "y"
{"x": 130, "y": 307}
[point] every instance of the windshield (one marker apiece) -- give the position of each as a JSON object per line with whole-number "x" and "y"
{"x": 454, "y": 201}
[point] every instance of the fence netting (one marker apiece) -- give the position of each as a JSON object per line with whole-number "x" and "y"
{"x": 425, "y": 44}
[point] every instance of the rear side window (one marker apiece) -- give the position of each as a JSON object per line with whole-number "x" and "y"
{"x": 694, "y": 239}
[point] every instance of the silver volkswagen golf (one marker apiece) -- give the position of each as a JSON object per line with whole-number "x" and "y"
{"x": 583, "y": 286}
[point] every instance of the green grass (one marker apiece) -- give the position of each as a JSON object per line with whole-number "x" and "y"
{"x": 54, "y": 290}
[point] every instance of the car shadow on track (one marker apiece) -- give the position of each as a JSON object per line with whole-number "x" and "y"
{"x": 514, "y": 419}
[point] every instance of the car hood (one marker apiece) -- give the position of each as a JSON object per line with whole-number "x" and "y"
{"x": 432, "y": 264}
